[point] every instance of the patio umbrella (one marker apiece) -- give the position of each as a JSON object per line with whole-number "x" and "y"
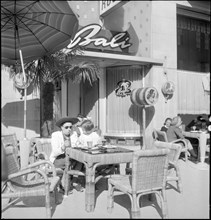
{"x": 31, "y": 29}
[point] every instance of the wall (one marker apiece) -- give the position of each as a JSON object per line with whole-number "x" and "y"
{"x": 87, "y": 11}
{"x": 12, "y": 109}
{"x": 164, "y": 46}
{"x": 155, "y": 35}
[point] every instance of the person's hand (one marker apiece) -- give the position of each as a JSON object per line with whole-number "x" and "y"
{"x": 67, "y": 143}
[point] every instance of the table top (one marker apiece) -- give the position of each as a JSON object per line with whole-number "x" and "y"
{"x": 101, "y": 155}
{"x": 195, "y": 134}
{"x": 123, "y": 135}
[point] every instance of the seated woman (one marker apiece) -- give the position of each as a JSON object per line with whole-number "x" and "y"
{"x": 66, "y": 137}
{"x": 78, "y": 127}
{"x": 89, "y": 133}
{"x": 166, "y": 124}
{"x": 174, "y": 132}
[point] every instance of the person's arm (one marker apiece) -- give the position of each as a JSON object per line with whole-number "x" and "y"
{"x": 97, "y": 139}
{"x": 179, "y": 133}
{"x": 56, "y": 144}
{"x": 74, "y": 139}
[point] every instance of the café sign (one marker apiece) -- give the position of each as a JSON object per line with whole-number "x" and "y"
{"x": 88, "y": 35}
{"x": 107, "y": 7}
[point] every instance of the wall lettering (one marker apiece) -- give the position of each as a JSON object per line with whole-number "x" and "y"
{"x": 86, "y": 36}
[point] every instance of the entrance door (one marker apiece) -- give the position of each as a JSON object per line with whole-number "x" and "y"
{"x": 89, "y": 100}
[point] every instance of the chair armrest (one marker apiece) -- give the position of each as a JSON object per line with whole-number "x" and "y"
{"x": 28, "y": 171}
{"x": 42, "y": 162}
{"x": 180, "y": 140}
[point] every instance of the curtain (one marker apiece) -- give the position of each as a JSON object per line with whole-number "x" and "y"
{"x": 192, "y": 95}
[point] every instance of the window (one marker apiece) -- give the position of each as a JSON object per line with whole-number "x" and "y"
{"x": 193, "y": 44}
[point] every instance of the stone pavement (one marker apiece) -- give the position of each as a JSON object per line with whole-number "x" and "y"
{"x": 192, "y": 204}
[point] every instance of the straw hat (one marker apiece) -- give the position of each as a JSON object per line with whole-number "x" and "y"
{"x": 61, "y": 121}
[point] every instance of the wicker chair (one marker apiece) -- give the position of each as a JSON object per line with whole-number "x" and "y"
{"x": 149, "y": 173}
{"x": 161, "y": 136}
{"x": 11, "y": 140}
{"x": 173, "y": 168}
{"x": 17, "y": 186}
{"x": 42, "y": 149}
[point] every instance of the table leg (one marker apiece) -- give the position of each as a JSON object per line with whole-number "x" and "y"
{"x": 67, "y": 165}
{"x": 202, "y": 148}
{"x": 90, "y": 189}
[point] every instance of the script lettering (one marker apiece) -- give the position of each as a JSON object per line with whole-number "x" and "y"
{"x": 93, "y": 30}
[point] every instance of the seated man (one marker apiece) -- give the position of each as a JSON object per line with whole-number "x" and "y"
{"x": 66, "y": 137}
{"x": 196, "y": 124}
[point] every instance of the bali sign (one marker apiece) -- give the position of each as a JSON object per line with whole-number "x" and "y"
{"x": 88, "y": 35}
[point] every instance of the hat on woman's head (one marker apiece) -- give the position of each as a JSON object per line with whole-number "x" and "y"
{"x": 175, "y": 120}
{"x": 61, "y": 121}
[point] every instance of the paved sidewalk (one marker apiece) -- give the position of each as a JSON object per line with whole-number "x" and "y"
{"x": 192, "y": 204}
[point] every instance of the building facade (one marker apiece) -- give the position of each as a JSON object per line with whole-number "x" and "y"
{"x": 157, "y": 42}
{"x": 140, "y": 44}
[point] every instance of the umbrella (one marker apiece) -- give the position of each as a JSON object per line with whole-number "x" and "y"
{"x": 31, "y": 29}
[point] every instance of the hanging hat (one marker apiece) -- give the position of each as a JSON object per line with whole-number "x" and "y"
{"x": 61, "y": 121}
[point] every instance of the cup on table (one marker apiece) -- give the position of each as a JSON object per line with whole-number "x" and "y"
{"x": 193, "y": 128}
{"x": 103, "y": 142}
{"x": 89, "y": 144}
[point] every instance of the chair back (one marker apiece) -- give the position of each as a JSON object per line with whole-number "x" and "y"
{"x": 160, "y": 135}
{"x": 10, "y": 140}
{"x": 43, "y": 146}
{"x": 12, "y": 164}
{"x": 175, "y": 149}
{"x": 149, "y": 169}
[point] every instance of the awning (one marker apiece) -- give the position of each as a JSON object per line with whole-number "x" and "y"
{"x": 109, "y": 59}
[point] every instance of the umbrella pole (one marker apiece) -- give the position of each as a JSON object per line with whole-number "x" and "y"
{"x": 144, "y": 126}
{"x": 24, "y": 79}
{"x": 25, "y": 143}
{"x": 143, "y": 113}
{"x": 25, "y": 88}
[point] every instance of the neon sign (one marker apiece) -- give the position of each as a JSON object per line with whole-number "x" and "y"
{"x": 82, "y": 39}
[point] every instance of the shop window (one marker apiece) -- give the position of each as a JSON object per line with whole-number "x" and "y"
{"x": 193, "y": 44}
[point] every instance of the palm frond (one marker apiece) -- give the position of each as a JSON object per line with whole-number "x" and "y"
{"x": 59, "y": 66}
{"x": 83, "y": 71}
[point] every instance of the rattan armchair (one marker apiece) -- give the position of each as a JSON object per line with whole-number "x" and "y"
{"x": 149, "y": 173}
{"x": 173, "y": 168}
{"x": 161, "y": 136}
{"x": 18, "y": 186}
{"x": 42, "y": 150}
